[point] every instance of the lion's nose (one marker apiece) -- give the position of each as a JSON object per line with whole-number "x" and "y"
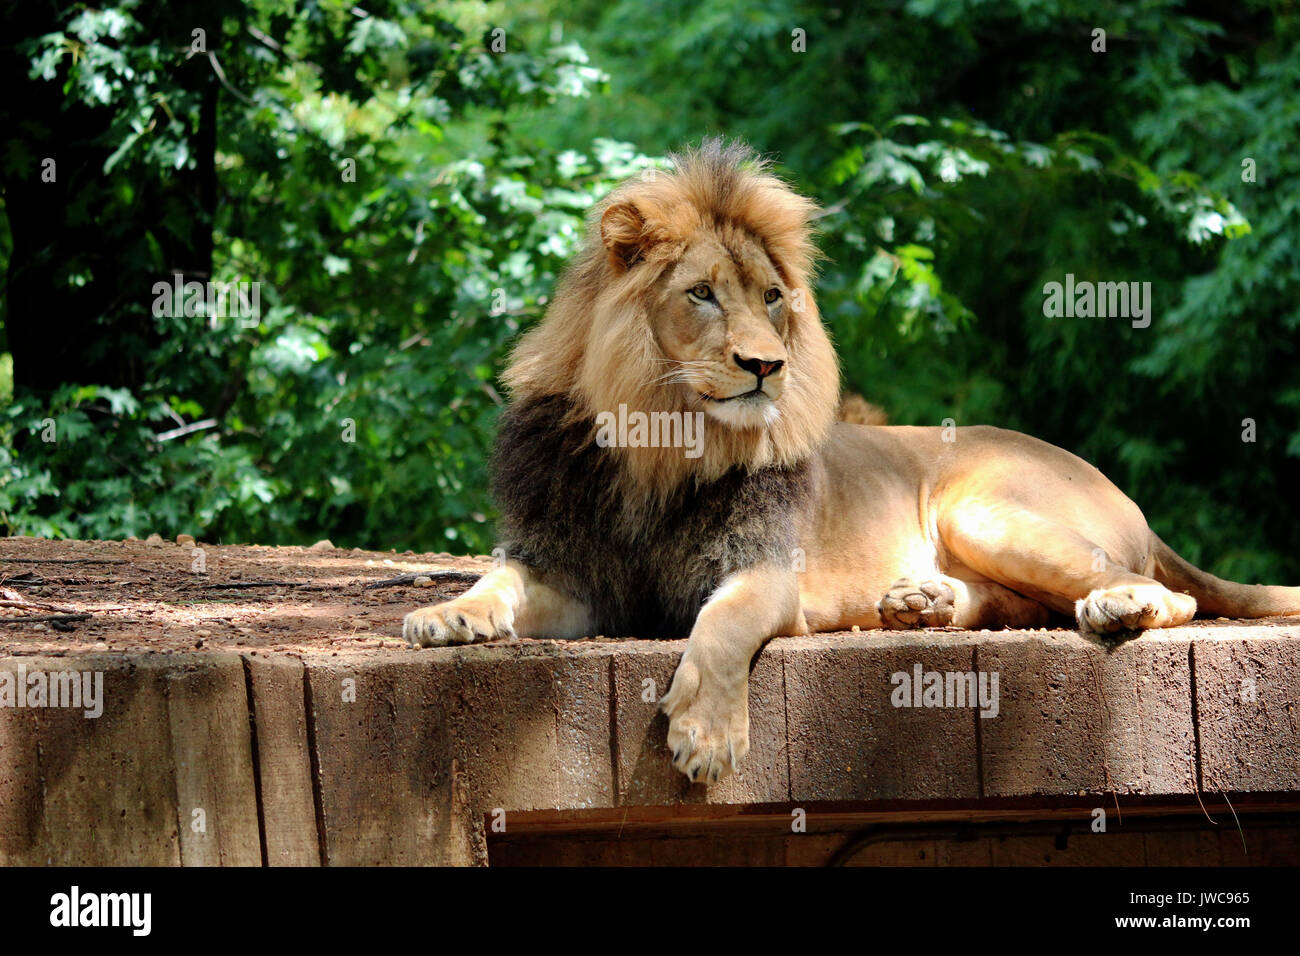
{"x": 760, "y": 367}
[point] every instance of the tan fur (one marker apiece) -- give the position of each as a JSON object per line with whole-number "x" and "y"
{"x": 856, "y": 410}
{"x": 903, "y": 527}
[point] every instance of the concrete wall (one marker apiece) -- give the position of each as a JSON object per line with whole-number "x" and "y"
{"x": 429, "y": 757}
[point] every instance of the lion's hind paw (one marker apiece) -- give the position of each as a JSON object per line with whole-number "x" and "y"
{"x": 1125, "y": 610}
{"x": 908, "y": 605}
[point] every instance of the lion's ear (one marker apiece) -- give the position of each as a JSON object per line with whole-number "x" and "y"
{"x": 622, "y": 229}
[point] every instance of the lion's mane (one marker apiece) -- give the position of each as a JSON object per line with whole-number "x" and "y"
{"x": 596, "y": 345}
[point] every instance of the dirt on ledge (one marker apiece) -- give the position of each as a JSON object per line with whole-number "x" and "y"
{"x": 162, "y": 596}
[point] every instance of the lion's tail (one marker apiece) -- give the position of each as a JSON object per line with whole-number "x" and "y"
{"x": 1216, "y": 597}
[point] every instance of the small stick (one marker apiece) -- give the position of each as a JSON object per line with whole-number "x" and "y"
{"x": 239, "y": 585}
{"x": 442, "y": 577}
{"x": 187, "y": 429}
{"x": 61, "y": 561}
{"x": 38, "y": 604}
{"x": 26, "y": 577}
{"x": 55, "y": 618}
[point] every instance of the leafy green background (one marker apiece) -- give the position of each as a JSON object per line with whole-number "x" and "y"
{"x": 965, "y": 152}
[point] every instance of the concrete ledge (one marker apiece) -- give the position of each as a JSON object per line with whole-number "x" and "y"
{"x": 412, "y": 756}
{"x": 383, "y": 754}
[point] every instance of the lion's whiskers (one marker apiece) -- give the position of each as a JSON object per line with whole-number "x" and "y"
{"x": 683, "y": 372}
{"x": 679, "y": 377}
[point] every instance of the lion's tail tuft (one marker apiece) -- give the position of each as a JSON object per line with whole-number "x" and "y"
{"x": 1216, "y": 597}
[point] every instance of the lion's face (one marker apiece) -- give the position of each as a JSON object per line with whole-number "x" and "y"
{"x": 721, "y": 317}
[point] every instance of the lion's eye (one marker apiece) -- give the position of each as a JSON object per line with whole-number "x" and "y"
{"x": 701, "y": 290}
{"x": 771, "y": 295}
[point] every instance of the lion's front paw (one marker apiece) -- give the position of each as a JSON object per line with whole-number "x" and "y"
{"x": 907, "y": 605}
{"x": 708, "y": 730}
{"x": 468, "y": 619}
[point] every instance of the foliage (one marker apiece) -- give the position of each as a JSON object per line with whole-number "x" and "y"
{"x": 364, "y": 396}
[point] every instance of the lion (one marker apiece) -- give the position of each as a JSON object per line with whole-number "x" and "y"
{"x": 691, "y": 300}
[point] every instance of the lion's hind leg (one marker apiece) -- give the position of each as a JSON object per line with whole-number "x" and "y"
{"x": 1068, "y": 572}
